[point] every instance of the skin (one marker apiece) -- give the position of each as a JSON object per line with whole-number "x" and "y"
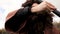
{"x": 42, "y": 6}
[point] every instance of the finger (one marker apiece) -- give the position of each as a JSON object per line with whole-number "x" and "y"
{"x": 51, "y": 7}
{"x": 48, "y": 8}
{"x": 49, "y": 4}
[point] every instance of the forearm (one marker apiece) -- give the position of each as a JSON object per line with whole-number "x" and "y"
{"x": 15, "y": 21}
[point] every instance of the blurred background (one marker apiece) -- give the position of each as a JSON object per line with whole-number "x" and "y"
{"x": 7, "y": 6}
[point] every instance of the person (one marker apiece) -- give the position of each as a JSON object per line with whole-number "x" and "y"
{"x": 31, "y": 19}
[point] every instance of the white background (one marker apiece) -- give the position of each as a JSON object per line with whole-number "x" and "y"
{"x": 7, "y": 6}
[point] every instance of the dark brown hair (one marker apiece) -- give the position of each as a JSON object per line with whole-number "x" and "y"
{"x": 30, "y": 2}
{"x": 37, "y": 22}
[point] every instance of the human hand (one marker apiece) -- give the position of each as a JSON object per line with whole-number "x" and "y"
{"x": 42, "y": 6}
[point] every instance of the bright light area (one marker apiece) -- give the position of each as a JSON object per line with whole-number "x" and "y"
{"x": 7, "y": 6}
